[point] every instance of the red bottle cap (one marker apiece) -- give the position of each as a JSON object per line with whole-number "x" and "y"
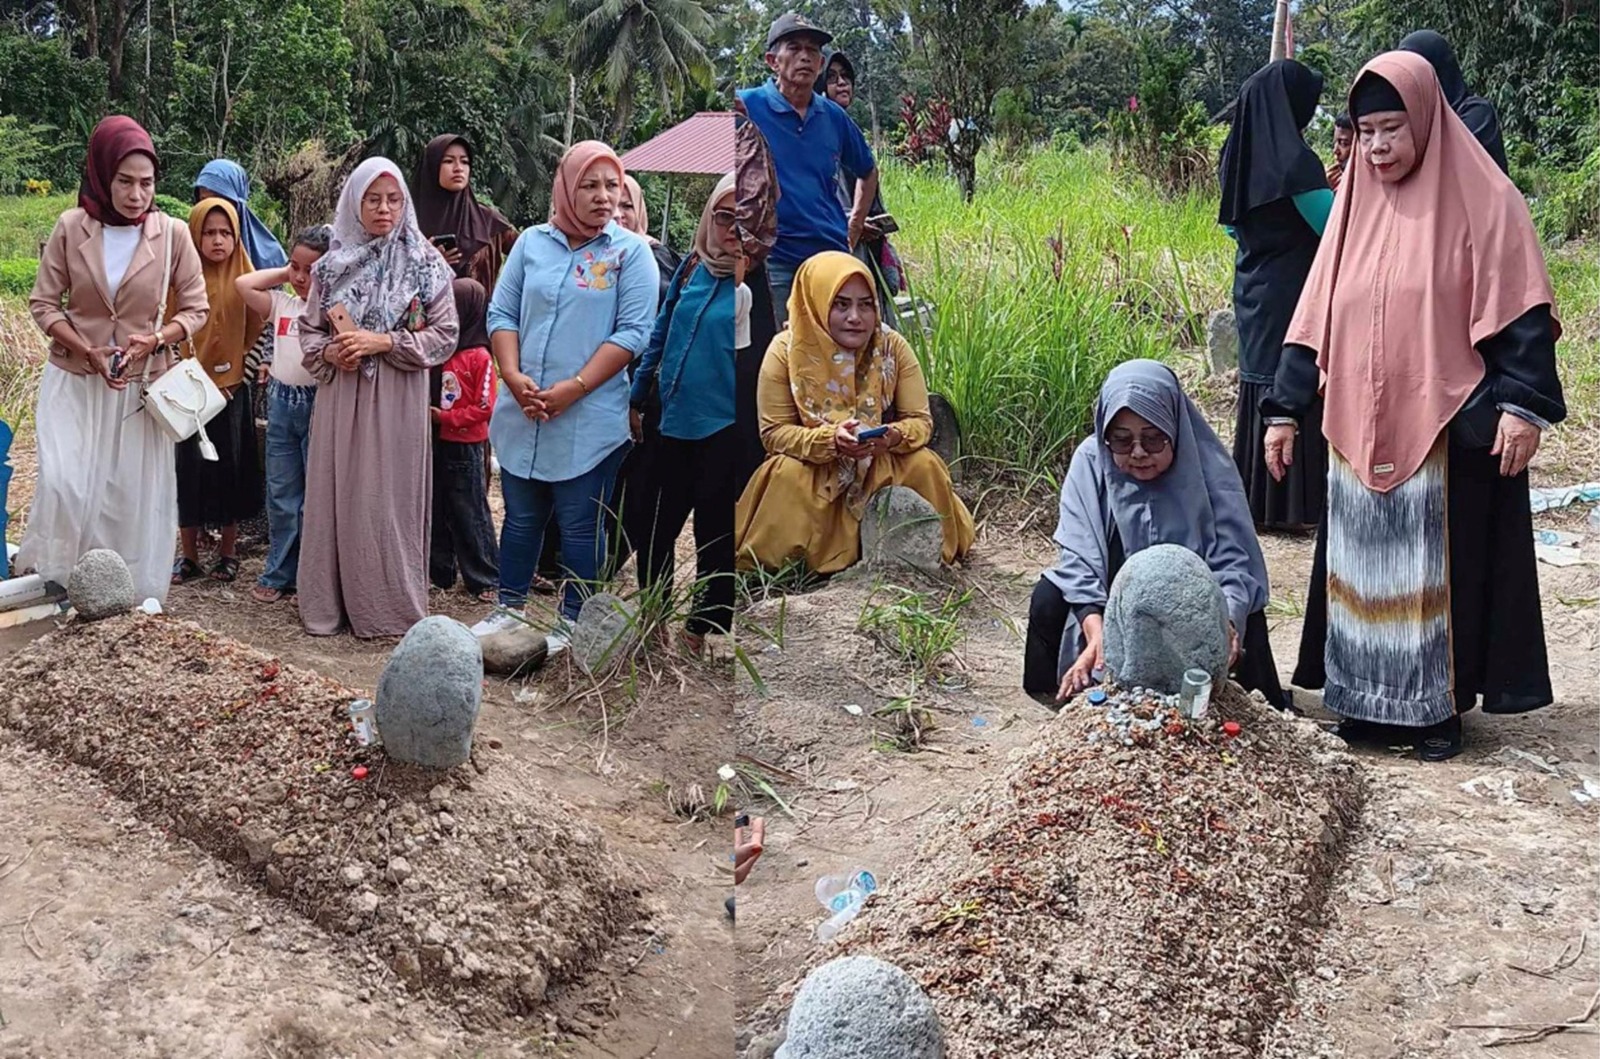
{"x": 1231, "y": 728}
{"x": 360, "y": 771}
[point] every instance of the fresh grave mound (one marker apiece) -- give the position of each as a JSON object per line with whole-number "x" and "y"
{"x": 1107, "y": 899}
{"x": 475, "y": 886}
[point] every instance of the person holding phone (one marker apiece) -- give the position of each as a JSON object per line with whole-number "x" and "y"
{"x": 832, "y": 377}
{"x": 107, "y": 475}
{"x": 473, "y": 238}
{"x": 379, "y": 314}
{"x": 837, "y": 81}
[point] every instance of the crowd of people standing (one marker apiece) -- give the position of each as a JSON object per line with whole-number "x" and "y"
{"x": 391, "y": 346}
{"x": 1397, "y": 370}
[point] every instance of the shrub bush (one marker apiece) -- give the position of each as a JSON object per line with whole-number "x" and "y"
{"x": 17, "y": 274}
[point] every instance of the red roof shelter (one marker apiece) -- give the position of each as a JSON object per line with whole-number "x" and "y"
{"x": 701, "y": 145}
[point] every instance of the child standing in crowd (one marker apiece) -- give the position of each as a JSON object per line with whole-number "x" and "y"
{"x": 463, "y": 396}
{"x": 290, "y": 391}
{"x": 227, "y": 490}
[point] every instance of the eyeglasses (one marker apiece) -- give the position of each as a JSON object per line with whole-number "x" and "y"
{"x": 722, "y": 218}
{"x": 1152, "y": 441}
{"x": 837, "y": 77}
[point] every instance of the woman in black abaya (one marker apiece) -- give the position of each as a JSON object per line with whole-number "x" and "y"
{"x": 1275, "y": 202}
{"x": 1475, "y": 112}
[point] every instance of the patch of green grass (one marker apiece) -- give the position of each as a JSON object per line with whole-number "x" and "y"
{"x": 27, "y": 220}
{"x": 918, "y": 629}
{"x": 1058, "y": 270}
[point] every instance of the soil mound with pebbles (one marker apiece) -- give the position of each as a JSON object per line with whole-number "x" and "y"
{"x": 466, "y": 883}
{"x": 1133, "y": 887}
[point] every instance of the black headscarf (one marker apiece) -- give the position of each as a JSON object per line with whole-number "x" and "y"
{"x": 457, "y": 213}
{"x": 829, "y": 57}
{"x": 472, "y": 305}
{"x": 1266, "y": 157}
{"x": 1475, "y": 112}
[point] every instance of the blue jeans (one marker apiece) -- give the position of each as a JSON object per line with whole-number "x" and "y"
{"x": 288, "y": 442}
{"x": 578, "y": 507}
{"x": 781, "y": 279}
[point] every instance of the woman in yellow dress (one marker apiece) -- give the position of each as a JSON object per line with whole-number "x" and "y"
{"x": 832, "y": 375}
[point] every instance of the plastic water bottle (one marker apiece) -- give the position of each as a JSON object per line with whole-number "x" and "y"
{"x": 1196, "y": 694}
{"x": 843, "y": 895}
{"x": 364, "y": 721}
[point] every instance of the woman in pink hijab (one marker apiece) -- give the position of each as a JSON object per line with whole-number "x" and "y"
{"x": 574, "y": 304}
{"x": 1430, "y": 322}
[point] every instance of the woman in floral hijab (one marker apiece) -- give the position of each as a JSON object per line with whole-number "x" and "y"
{"x": 364, "y": 547}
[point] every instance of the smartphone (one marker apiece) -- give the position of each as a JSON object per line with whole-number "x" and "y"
{"x": 884, "y": 223}
{"x": 339, "y": 316}
{"x": 119, "y": 363}
{"x": 874, "y": 432}
{"x": 445, "y": 242}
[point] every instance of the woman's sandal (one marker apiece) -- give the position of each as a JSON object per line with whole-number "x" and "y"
{"x": 543, "y": 585}
{"x": 186, "y": 570}
{"x": 225, "y": 569}
{"x": 263, "y": 594}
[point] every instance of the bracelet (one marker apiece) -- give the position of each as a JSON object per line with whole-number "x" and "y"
{"x": 579, "y": 380}
{"x": 1282, "y": 421}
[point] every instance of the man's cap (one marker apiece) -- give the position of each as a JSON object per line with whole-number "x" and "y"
{"x": 790, "y": 24}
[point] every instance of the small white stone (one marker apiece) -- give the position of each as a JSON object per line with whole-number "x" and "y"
{"x": 352, "y": 875}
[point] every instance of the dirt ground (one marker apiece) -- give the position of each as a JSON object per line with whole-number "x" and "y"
{"x": 117, "y": 940}
{"x": 1458, "y": 904}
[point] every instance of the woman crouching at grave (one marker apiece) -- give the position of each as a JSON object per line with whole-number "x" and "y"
{"x": 379, "y": 314}
{"x": 107, "y": 476}
{"x": 1154, "y": 472}
{"x": 1429, "y": 320}
{"x": 844, "y": 413}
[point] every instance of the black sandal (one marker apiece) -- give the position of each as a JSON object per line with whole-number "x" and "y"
{"x": 1440, "y": 742}
{"x": 226, "y": 568}
{"x": 186, "y": 570}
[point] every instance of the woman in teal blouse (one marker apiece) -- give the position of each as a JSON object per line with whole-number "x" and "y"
{"x": 695, "y": 466}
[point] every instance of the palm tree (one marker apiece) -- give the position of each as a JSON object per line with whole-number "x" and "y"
{"x": 663, "y": 40}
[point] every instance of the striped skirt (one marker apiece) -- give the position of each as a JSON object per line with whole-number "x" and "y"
{"x": 1389, "y": 656}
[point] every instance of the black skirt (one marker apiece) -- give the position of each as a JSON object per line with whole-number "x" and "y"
{"x": 1296, "y": 502}
{"x": 229, "y": 489}
{"x": 1496, "y": 618}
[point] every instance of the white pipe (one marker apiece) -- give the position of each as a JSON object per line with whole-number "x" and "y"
{"x": 22, "y": 591}
{"x": 13, "y": 618}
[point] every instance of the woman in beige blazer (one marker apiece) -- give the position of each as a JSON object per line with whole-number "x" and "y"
{"x": 106, "y": 472}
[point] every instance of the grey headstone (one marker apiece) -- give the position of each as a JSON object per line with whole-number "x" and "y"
{"x": 521, "y": 649}
{"x": 859, "y": 1007}
{"x": 1165, "y": 614}
{"x": 901, "y": 528}
{"x": 946, "y": 440}
{"x": 1222, "y": 342}
{"x": 606, "y": 631}
{"x": 100, "y": 586}
{"x": 429, "y": 694}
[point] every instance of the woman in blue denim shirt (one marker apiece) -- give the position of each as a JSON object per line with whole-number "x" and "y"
{"x": 574, "y": 304}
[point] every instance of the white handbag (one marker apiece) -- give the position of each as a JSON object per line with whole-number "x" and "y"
{"x": 183, "y": 400}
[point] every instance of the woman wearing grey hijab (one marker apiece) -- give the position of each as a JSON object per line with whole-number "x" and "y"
{"x": 1154, "y": 472}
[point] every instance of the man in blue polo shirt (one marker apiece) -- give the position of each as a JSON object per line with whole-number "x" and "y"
{"x": 808, "y": 136}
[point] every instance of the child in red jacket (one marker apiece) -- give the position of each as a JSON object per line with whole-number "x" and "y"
{"x": 463, "y": 396}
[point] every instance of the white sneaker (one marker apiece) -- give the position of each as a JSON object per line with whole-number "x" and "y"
{"x": 558, "y": 639}
{"x": 498, "y": 622}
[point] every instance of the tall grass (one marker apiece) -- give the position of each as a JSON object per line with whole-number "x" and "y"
{"x": 27, "y": 220}
{"x": 1058, "y": 270}
{"x": 22, "y": 358}
{"x": 1062, "y": 268}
